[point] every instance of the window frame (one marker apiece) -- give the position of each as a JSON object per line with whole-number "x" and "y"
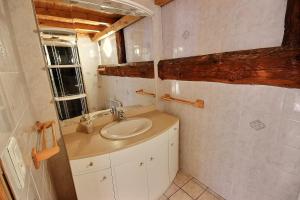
{"x": 82, "y": 95}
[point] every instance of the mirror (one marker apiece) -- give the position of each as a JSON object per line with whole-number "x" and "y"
{"x": 97, "y": 55}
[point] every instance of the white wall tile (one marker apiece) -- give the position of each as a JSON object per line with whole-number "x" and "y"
{"x": 13, "y": 85}
{"x": 124, "y": 89}
{"x": 138, "y": 40}
{"x": 16, "y": 112}
{"x": 290, "y": 133}
{"x": 214, "y": 26}
{"x": 108, "y": 50}
{"x": 90, "y": 60}
{"x": 292, "y": 104}
{"x": 217, "y": 144}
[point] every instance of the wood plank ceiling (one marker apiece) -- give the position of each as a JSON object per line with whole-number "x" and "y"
{"x": 58, "y": 14}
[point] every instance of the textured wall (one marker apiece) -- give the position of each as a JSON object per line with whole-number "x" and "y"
{"x": 90, "y": 59}
{"x": 194, "y": 27}
{"x": 138, "y": 40}
{"x": 123, "y": 89}
{"x": 217, "y": 143}
{"x": 138, "y": 44}
{"x": 38, "y": 88}
{"x": 31, "y": 61}
{"x": 17, "y": 116}
{"x": 108, "y": 50}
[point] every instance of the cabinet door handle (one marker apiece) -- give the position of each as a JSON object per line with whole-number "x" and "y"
{"x": 90, "y": 164}
{"x": 151, "y": 158}
{"x": 141, "y": 164}
{"x": 175, "y": 129}
{"x": 172, "y": 144}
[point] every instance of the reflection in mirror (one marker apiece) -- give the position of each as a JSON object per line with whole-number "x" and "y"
{"x": 97, "y": 55}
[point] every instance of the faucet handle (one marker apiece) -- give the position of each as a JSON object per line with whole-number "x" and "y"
{"x": 121, "y": 114}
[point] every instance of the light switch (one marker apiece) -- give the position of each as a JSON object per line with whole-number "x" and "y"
{"x": 14, "y": 168}
{"x": 16, "y": 158}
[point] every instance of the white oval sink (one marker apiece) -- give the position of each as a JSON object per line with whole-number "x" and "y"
{"x": 127, "y": 128}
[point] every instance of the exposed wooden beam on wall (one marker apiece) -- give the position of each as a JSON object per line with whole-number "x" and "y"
{"x": 162, "y": 2}
{"x": 292, "y": 24}
{"x": 136, "y": 69}
{"x": 121, "y": 50}
{"x": 76, "y": 26}
{"x": 278, "y": 66}
{"x": 118, "y": 25}
{"x": 269, "y": 66}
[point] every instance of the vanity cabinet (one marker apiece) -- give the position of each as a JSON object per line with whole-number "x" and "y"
{"x": 94, "y": 185}
{"x": 157, "y": 166}
{"x": 131, "y": 181}
{"x": 173, "y": 151}
{"x": 130, "y": 173}
{"x": 141, "y": 172}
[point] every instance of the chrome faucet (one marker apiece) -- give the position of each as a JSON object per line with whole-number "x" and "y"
{"x": 118, "y": 115}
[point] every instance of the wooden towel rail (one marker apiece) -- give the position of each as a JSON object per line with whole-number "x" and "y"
{"x": 198, "y": 103}
{"x": 44, "y": 153}
{"x": 143, "y": 92}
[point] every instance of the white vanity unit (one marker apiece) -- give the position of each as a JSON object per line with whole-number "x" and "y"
{"x": 141, "y": 171}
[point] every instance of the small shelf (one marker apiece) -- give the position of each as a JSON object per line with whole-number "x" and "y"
{"x": 62, "y": 66}
{"x": 67, "y": 98}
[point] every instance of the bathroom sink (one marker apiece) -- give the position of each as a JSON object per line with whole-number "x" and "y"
{"x": 126, "y": 128}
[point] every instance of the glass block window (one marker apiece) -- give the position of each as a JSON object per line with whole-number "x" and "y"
{"x": 71, "y": 108}
{"x": 66, "y": 81}
{"x": 61, "y": 55}
{"x": 65, "y": 75}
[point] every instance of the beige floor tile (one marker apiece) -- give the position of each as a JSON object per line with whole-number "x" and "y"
{"x": 207, "y": 196}
{"x": 199, "y": 183}
{"x": 163, "y": 197}
{"x": 180, "y": 195}
{"x": 171, "y": 190}
{"x": 181, "y": 179}
{"x": 193, "y": 189}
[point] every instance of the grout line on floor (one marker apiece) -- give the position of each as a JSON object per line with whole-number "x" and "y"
{"x": 206, "y": 189}
{"x": 202, "y": 193}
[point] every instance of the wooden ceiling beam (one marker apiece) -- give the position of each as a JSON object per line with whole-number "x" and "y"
{"x": 76, "y": 26}
{"x": 75, "y": 12}
{"x": 162, "y": 2}
{"x": 70, "y": 20}
{"x": 118, "y": 25}
{"x": 121, "y": 50}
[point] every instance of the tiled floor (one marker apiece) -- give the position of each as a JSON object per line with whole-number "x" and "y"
{"x": 185, "y": 187}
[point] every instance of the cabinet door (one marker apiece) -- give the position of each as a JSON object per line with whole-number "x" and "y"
{"x": 157, "y": 166}
{"x": 130, "y": 181}
{"x": 173, "y": 151}
{"x": 94, "y": 186}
